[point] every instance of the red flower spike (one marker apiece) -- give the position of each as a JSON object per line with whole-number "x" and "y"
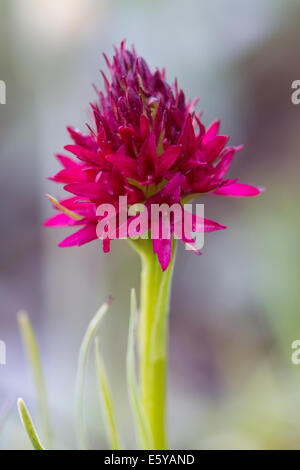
{"x": 147, "y": 144}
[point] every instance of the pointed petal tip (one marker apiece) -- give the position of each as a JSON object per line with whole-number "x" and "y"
{"x": 63, "y": 245}
{"x": 261, "y": 189}
{"x": 238, "y": 190}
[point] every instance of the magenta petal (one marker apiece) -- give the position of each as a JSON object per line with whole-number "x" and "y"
{"x": 223, "y": 166}
{"x": 187, "y": 137}
{"x": 75, "y": 150}
{"x": 225, "y": 161}
{"x": 156, "y": 245}
{"x": 91, "y": 190}
{"x": 238, "y": 190}
{"x": 147, "y": 158}
{"x": 211, "y": 132}
{"x": 106, "y": 245}
{"x": 163, "y": 248}
{"x": 212, "y": 226}
{"x": 83, "y": 154}
{"x": 81, "y": 139}
{"x": 126, "y": 165}
{"x": 70, "y": 175}
{"x": 169, "y": 157}
{"x": 214, "y": 146}
{"x": 173, "y": 187}
{"x": 67, "y": 162}
{"x": 60, "y": 220}
{"x": 144, "y": 126}
{"x": 200, "y": 224}
{"x": 82, "y": 236}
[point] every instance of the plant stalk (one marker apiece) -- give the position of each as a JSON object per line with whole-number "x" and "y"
{"x": 153, "y": 340}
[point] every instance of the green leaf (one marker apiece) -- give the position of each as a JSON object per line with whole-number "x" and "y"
{"x": 28, "y": 425}
{"x": 81, "y": 372}
{"x": 32, "y": 351}
{"x": 142, "y": 426}
{"x": 106, "y": 400}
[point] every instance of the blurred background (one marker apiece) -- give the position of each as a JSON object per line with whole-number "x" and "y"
{"x": 235, "y": 310}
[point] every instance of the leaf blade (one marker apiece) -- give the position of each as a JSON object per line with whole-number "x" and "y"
{"x": 81, "y": 371}
{"x": 32, "y": 351}
{"x": 107, "y": 403}
{"x": 29, "y": 426}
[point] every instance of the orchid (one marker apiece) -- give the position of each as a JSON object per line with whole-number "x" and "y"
{"x": 148, "y": 144}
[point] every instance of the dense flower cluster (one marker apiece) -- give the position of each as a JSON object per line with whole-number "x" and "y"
{"x": 148, "y": 144}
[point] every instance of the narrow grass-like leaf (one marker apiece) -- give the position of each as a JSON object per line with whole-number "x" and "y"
{"x": 142, "y": 426}
{"x": 32, "y": 351}
{"x": 29, "y": 426}
{"x": 81, "y": 372}
{"x": 106, "y": 400}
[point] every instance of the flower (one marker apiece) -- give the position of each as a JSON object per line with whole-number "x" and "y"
{"x": 147, "y": 143}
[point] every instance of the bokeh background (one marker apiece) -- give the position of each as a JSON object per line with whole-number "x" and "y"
{"x": 235, "y": 310}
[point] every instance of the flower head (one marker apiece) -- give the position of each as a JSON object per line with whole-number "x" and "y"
{"x": 146, "y": 143}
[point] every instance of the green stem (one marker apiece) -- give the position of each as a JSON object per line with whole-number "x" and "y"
{"x": 153, "y": 339}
